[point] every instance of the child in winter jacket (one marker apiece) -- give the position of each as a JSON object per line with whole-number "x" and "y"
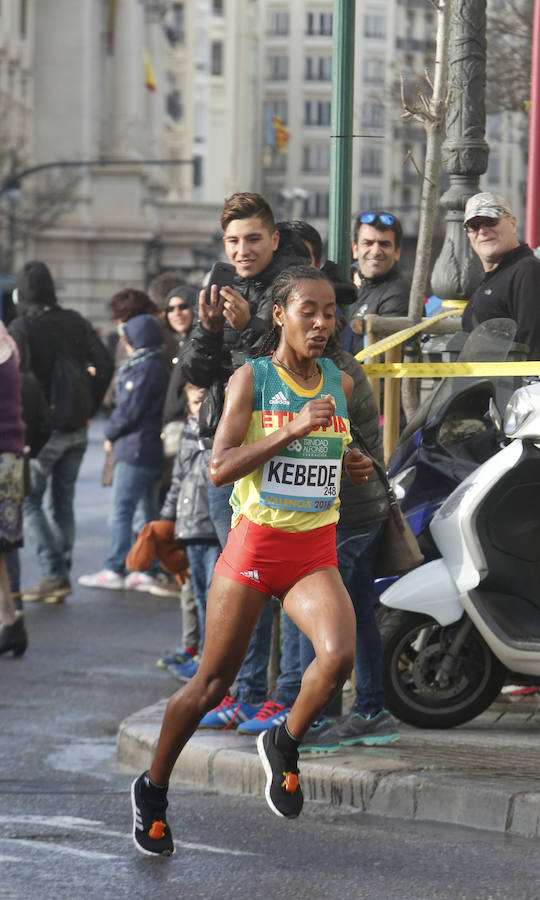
{"x": 134, "y": 428}
{"x": 187, "y": 503}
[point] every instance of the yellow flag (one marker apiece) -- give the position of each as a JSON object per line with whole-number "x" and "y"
{"x": 149, "y": 76}
{"x": 281, "y": 134}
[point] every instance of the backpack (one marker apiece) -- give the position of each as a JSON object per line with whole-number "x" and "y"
{"x": 71, "y": 401}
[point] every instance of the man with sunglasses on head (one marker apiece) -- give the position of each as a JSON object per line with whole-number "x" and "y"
{"x": 510, "y": 287}
{"x": 376, "y": 248}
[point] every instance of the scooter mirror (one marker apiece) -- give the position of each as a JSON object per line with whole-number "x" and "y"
{"x": 494, "y": 414}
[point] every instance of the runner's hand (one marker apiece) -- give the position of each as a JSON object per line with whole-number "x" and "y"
{"x": 315, "y": 414}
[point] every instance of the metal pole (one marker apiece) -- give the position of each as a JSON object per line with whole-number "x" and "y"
{"x": 532, "y": 217}
{"x": 339, "y": 229}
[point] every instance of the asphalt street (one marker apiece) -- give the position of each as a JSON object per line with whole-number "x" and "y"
{"x": 65, "y": 815}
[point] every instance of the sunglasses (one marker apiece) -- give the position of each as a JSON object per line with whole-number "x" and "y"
{"x": 368, "y": 218}
{"x": 481, "y": 222}
{"x": 180, "y": 307}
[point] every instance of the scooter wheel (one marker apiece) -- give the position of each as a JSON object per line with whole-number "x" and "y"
{"x": 417, "y": 690}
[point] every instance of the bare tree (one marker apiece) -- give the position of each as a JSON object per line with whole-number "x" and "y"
{"x": 29, "y": 203}
{"x": 431, "y": 113}
{"x": 508, "y": 66}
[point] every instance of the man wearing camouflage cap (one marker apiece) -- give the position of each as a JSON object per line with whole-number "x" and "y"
{"x": 511, "y": 284}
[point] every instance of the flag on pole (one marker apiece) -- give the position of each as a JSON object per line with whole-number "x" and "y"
{"x": 149, "y": 75}
{"x": 281, "y": 134}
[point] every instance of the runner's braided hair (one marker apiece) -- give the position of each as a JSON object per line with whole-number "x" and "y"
{"x": 282, "y": 288}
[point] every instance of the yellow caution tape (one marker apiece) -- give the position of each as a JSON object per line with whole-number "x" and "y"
{"x": 457, "y": 304}
{"x": 450, "y": 370}
{"x": 400, "y": 336}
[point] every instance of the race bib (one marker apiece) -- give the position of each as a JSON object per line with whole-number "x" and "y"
{"x": 305, "y": 476}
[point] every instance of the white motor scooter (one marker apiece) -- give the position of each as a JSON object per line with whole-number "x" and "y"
{"x": 459, "y": 625}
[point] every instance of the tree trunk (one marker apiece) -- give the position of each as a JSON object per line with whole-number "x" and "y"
{"x": 433, "y": 122}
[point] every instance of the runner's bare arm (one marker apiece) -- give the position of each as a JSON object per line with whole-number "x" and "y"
{"x": 230, "y": 460}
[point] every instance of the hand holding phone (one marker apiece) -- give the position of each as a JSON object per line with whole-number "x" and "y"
{"x": 222, "y": 275}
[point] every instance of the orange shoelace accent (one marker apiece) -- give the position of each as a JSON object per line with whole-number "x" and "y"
{"x": 157, "y": 830}
{"x": 290, "y": 782}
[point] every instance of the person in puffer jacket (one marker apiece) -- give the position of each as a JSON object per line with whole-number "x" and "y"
{"x": 187, "y": 503}
{"x": 134, "y": 428}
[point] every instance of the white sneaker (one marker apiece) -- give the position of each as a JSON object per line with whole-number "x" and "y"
{"x": 104, "y": 579}
{"x": 140, "y": 581}
{"x": 165, "y": 586}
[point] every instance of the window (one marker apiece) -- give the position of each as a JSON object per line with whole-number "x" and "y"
{"x": 217, "y": 7}
{"x": 372, "y": 161}
{"x": 175, "y": 24}
{"x": 494, "y": 129}
{"x": 319, "y": 23}
{"x": 373, "y": 116}
{"x": 374, "y": 26}
{"x": 494, "y": 169}
{"x": 316, "y": 206}
{"x": 318, "y": 68}
{"x": 317, "y": 112}
{"x": 374, "y": 71}
{"x": 279, "y": 108}
{"x": 217, "y": 58}
{"x": 23, "y": 17}
{"x": 277, "y": 23}
{"x": 316, "y": 158}
{"x": 173, "y": 105}
{"x": 370, "y": 201}
{"x": 278, "y": 68}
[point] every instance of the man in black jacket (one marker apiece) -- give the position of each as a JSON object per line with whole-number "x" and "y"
{"x": 73, "y": 369}
{"x": 376, "y": 248}
{"x": 510, "y": 287}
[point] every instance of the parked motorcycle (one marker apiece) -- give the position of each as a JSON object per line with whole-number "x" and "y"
{"x": 450, "y": 435}
{"x": 460, "y": 624}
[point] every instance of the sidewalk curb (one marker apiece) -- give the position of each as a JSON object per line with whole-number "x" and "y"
{"x": 367, "y": 781}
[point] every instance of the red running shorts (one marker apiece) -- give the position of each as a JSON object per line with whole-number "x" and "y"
{"x": 271, "y": 560}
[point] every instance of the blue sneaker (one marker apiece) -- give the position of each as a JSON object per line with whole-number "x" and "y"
{"x": 270, "y": 714}
{"x": 179, "y": 657}
{"x": 228, "y": 714}
{"x": 185, "y": 671}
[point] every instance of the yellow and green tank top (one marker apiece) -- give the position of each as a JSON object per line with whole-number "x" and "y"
{"x": 298, "y": 489}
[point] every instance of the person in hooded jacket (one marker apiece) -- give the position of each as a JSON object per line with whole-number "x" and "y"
{"x": 45, "y": 333}
{"x": 187, "y": 504}
{"x": 134, "y": 429}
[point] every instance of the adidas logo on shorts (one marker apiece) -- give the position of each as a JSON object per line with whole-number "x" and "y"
{"x": 251, "y": 573}
{"x": 280, "y": 398}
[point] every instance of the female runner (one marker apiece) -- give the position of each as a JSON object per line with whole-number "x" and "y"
{"x": 281, "y": 440}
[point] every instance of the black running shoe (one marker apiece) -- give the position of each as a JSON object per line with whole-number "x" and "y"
{"x": 151, "y": 834}
{"x": 283, "y": 792}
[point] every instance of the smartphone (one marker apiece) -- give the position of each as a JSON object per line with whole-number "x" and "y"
{"x": 222, "y": 274}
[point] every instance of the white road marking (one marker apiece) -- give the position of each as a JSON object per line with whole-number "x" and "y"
{"x": 60, "y": 848}
{"x": 94, "y": 827}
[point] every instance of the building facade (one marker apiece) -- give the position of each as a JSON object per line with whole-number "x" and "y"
{"x": 141, "y": 116}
